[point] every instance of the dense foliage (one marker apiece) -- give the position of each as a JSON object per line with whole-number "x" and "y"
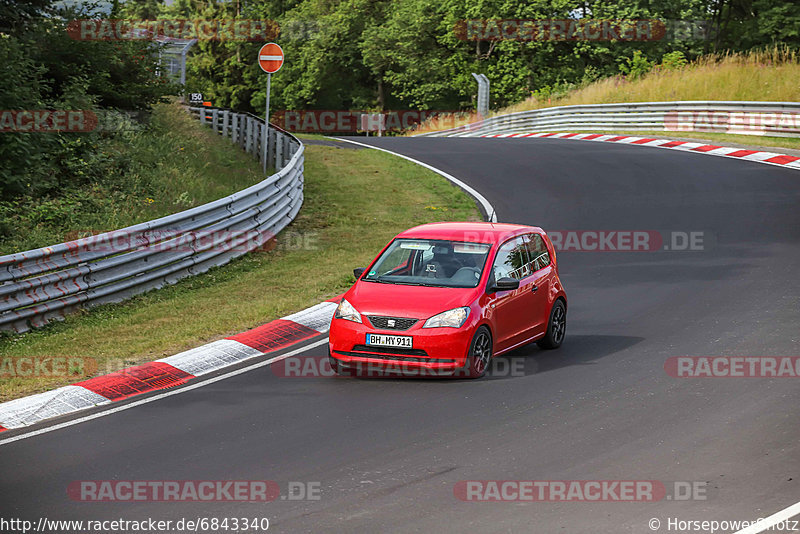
{"x": 340, "y": 54}
{"x": 407, "y": 54}
{"x": 43, "y": 68}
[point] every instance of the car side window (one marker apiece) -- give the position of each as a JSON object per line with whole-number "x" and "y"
{"x": 511, "y": 260}
{"x": 537, "y": 251}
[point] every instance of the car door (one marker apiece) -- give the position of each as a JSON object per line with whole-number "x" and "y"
{"x": 539, "y": 284}
{"x": 510, "y": 309}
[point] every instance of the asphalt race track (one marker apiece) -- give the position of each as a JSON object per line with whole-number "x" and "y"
{"x": 388, "y": 453}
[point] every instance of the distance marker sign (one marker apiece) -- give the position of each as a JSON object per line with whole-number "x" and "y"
{"x": 270, "y": 58}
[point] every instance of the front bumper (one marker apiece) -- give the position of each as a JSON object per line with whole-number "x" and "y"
{"x": 435, "y": 352}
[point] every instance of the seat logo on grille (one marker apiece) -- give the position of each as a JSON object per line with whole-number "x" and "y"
{"x": 390, "y": 322}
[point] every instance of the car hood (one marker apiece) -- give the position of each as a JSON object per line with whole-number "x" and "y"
{"x": 418, "y": 302}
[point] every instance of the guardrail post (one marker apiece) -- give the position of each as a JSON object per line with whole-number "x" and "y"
{"x": 273, "y": 139}
{"x": 279, "y": 152}
{"x": 214, "y": 124}
{"x": 262, "y": 131}
{"x": 225, "y": 121}
{"x": 234, "y": 127}
{"x": 245, "y": 134}
{"x": 254, "y": 136}
{"x": 249, "y": 126}
{"x": 255, "y": 144}
{"x": 202, "y": 116}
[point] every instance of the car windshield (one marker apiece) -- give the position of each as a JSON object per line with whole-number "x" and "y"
{"x": 430, "y": 262}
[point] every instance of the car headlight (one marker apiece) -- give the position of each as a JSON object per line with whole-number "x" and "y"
{"x": 345, "y": 310}
{"x": 453, "y": 318}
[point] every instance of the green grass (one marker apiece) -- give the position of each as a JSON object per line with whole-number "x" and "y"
{"x": 171, "y": 166}
{"x": 759, "y": 76}
{"x": 355, "y": 202}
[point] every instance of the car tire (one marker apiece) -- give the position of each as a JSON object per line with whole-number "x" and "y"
{"x": 556, "y": 327}
{"x": 480, "y": 353}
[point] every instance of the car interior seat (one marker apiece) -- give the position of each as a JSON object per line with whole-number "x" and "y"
{"x": 446, "y": 258}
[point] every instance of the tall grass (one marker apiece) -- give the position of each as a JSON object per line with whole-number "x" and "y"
{"x": 763, "y": 75}
{"x": 171, "y": 165}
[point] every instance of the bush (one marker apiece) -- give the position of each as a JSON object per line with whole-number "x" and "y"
{"x": 42, "y": 67}
{"x": 673, "y": 61}
{"x": 636, "y": 66}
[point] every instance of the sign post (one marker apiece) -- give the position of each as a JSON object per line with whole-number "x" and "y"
{"x": 270, "y": 59}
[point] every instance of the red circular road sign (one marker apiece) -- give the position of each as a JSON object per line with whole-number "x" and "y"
{"x": 270, "y": 58}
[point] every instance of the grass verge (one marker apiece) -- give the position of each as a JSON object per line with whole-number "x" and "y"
{"x": 766, "y": 75}
{"x": 355, "y": 201}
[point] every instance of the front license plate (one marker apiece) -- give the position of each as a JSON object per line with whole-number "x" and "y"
{"x": 380, "y": 340}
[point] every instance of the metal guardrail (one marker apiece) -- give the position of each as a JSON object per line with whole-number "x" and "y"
{"x": 247, "y": 131}
{"x": 40, "y": 285}
{"x": 753, "y": 118}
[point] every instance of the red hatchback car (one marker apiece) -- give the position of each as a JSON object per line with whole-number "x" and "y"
{"x": 444, "y": 298}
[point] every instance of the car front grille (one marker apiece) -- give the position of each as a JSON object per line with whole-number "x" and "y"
{"x": 387, "y": 350}
{"x": 391, "y": 323}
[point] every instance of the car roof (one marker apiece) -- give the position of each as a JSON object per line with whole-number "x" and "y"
{"x": 475, "y": 232}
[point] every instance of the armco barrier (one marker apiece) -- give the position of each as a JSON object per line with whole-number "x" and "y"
{"x": 749, "y": 118}
{"x": 39, "y": 285}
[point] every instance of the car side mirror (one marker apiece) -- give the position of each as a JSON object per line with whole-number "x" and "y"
{"x": 357, "y": 272}
{"x": 505, "y": 284}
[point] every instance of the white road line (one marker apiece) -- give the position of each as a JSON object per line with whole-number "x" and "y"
{"x": 163, "y": 395}
{"x": 772, "y": 520}
{"x": 487, "y": 206}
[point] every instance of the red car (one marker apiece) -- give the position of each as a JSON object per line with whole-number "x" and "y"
{"x": 444, "y": 298}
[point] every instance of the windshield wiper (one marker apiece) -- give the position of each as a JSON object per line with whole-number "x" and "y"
{"x": 378, "y": 279}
